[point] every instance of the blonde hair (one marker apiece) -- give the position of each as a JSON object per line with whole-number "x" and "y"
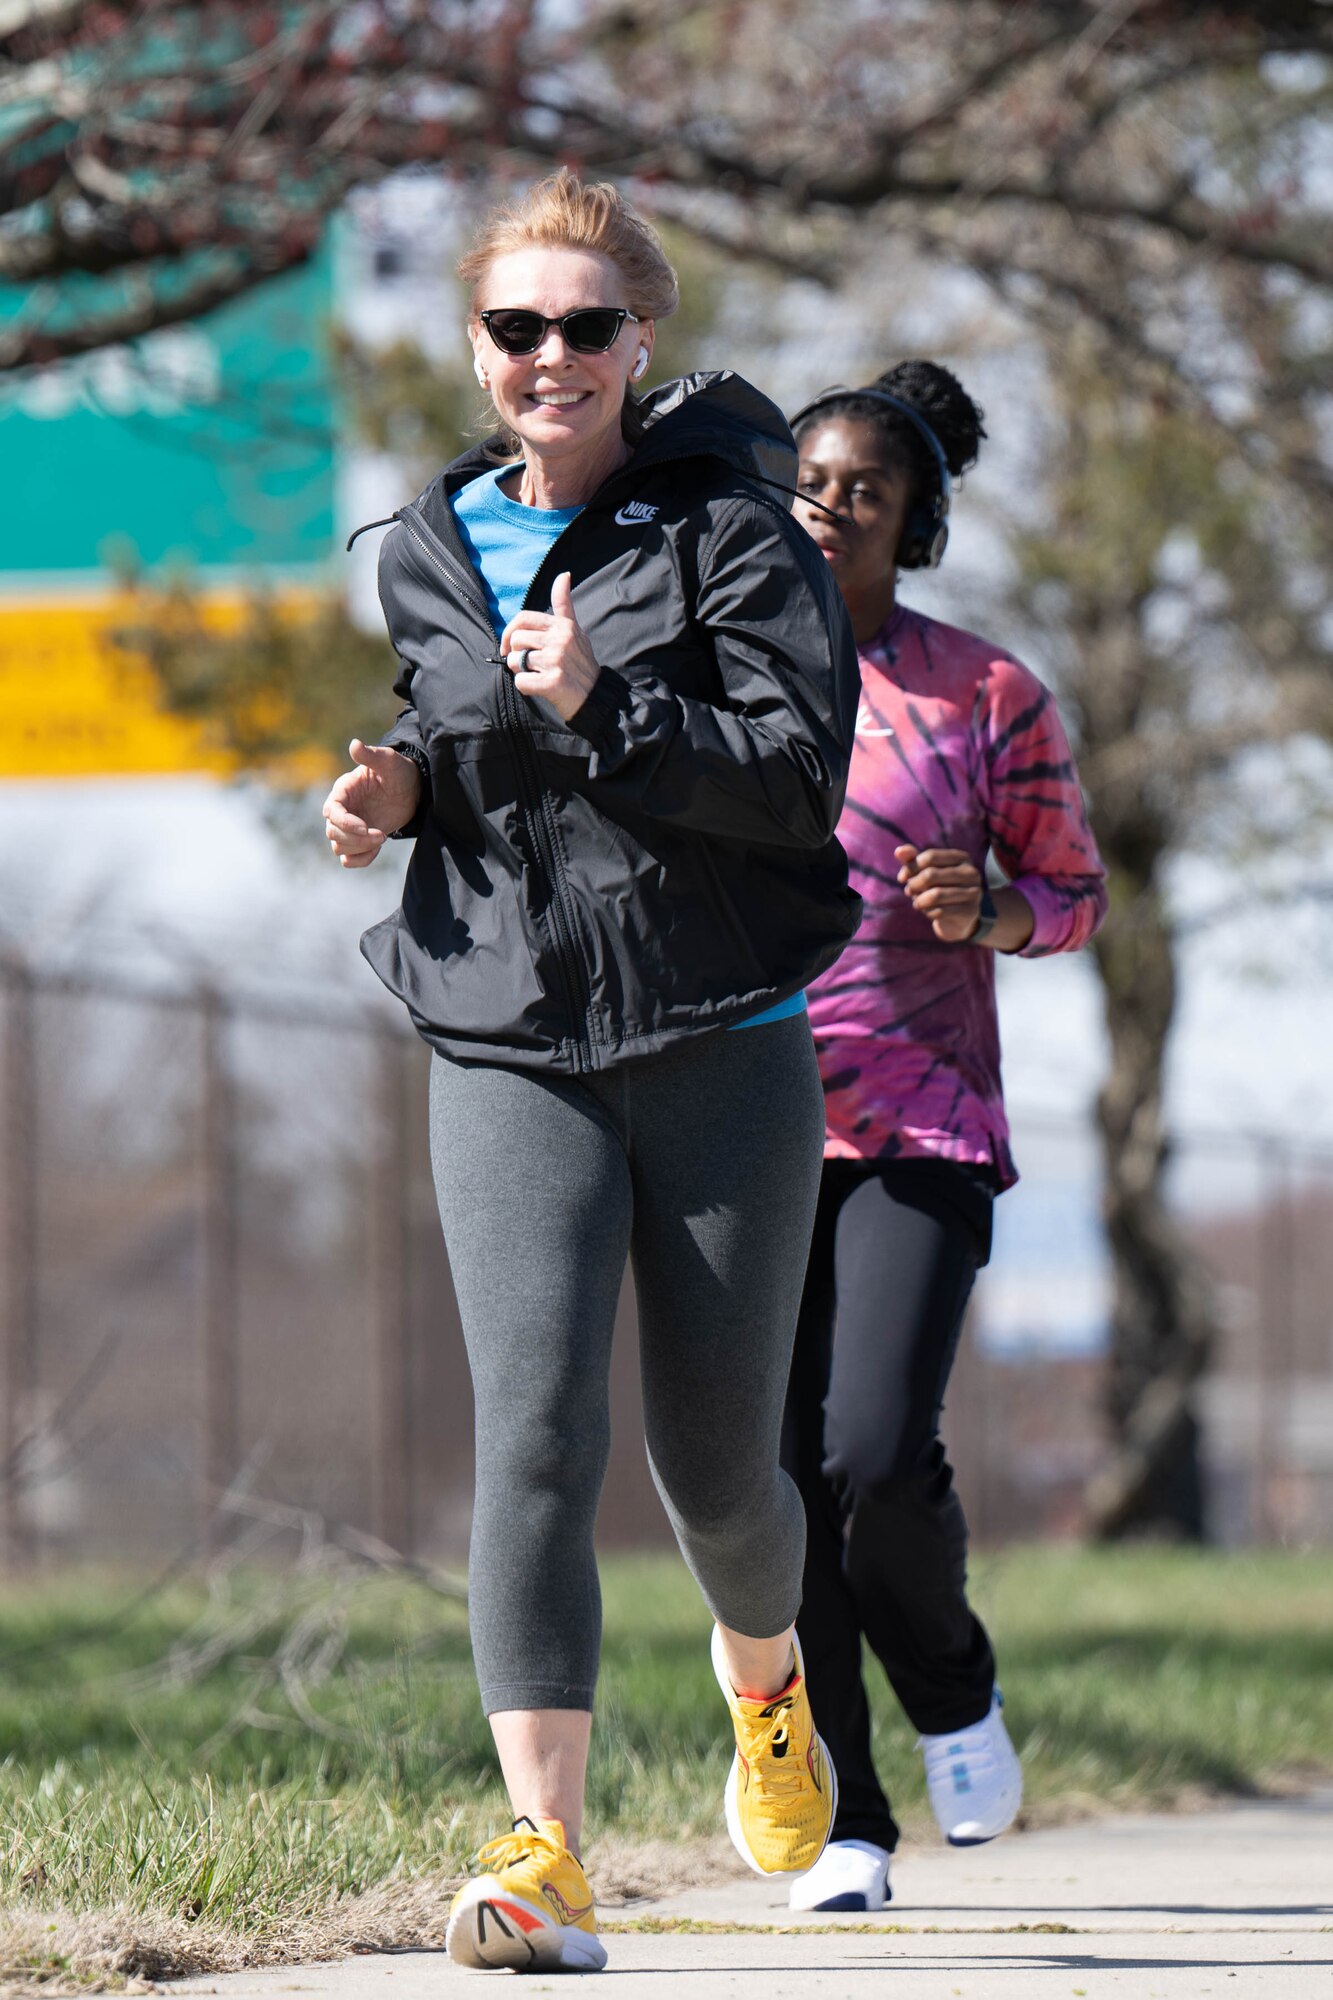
{"x": 561, "y": 213}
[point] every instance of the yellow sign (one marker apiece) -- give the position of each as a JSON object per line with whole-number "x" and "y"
{"x": 76, "y": 706}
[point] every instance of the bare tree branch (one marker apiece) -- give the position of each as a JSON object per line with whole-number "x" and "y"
{"x": 986, "y": 111}
{"x": 22, "y": 346}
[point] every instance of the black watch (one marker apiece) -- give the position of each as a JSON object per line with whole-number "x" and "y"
{"x": 987, "y": 920}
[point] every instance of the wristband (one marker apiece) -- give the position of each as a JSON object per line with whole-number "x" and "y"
{"x": 986, "y": 921}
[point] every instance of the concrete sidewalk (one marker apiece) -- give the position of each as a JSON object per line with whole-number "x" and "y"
{"x": 1236, "y": 1903}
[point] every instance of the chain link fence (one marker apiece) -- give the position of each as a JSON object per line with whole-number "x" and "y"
{"x": 224, "y": 1275}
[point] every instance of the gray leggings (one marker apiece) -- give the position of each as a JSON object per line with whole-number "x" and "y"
{"x": 703, "y": 1164}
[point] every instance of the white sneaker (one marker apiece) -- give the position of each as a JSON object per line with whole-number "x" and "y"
{"x": 974, "y": 1779}
{"x": 849, "y": 1875}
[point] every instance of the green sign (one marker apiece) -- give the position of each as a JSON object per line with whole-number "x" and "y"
{"x": 208, "y": 444}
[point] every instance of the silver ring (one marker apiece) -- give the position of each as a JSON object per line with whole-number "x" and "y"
{"x": 520, "y": 659}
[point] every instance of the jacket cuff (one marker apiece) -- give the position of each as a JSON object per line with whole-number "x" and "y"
{"x": 603, "y": 709}
{"x": 416, "y": 755}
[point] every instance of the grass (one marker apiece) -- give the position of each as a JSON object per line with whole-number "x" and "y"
{"x": 298, "y": 1760}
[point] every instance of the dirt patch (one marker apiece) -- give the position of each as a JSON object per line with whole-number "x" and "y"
{"x": 58, "y": 1952}
{"x": 624, "y": 1870}
{"x": 51, "y": 1952}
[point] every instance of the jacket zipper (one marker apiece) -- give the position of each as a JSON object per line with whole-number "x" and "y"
{"x": 569, "y": 957}
{"x": 541, "y": 820}
{"x": 445, "y": 563}
{"x": 537, "y": 810}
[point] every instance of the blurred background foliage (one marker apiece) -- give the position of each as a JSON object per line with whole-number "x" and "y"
{"x": 1137, "y": 198}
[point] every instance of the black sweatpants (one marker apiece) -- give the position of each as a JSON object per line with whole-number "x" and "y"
{"x": 896, "y": 1248}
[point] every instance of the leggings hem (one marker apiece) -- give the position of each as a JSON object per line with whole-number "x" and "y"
{"x": 784, "y": 1624}
{"x": 535, "y": 1694}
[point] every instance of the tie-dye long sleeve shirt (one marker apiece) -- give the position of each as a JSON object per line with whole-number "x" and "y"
{"x": 957, "y": 745}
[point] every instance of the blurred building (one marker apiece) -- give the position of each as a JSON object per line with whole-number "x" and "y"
{"x": 204, "y": 450}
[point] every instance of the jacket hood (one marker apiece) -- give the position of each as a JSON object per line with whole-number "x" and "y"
{"x": 718, "y": 414}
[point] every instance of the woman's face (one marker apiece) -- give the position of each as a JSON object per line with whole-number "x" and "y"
{"x": 842, "y": 464}
{"x": 556, "y": 401}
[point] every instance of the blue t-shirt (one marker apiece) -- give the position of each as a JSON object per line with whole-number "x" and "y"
{"x": 507, "y": 541}
{"x": 508, "y": 544}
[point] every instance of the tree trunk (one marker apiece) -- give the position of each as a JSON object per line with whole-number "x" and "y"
{"x": 1161, "y": 1307}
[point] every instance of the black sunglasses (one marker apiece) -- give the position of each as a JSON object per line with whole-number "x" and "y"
{"x": 588, "y": 330}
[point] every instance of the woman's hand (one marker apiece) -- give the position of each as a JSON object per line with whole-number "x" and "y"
{"x": 947, "y": 888}
{"x": 944, "y": 886}
{"x": 368, "y": 804}
{"x": 559, "y": 663}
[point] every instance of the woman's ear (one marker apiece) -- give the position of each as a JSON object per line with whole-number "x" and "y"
{"x": 478, "y": 365}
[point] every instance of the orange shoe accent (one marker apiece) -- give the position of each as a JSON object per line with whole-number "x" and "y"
{"x": 530, "y": 1910}
{"x": 523, "y": 1918}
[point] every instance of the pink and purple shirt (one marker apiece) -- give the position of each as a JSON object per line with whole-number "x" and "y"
{"x": 957, "y": 745}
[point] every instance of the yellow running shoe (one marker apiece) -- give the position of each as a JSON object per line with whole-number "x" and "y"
{"x": 783, "y": 1791}
{"x": 531, "y": 1910}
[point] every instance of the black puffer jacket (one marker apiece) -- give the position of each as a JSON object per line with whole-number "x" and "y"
{"x": 664, "y": 864}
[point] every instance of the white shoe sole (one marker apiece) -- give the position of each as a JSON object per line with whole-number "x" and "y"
{"x": 859, "y": 1883}
{"x": 732, "y": 1793}
{"x": 492, "y": 1930}
{"x": 975, "y": 1832}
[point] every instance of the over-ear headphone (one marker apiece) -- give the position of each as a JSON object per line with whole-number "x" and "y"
{"x": 640, "y": 364}
{"x": 925, "y": 534}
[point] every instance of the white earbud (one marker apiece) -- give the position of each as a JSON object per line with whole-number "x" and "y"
{"x": 640, "y": 364}
{"x": 480, "y": 371}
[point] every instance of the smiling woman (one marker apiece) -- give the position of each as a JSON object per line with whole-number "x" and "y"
{"x": 630, "y": 689}
{"x": 612, "y": 257}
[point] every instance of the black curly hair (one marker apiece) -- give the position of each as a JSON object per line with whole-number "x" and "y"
{"x": 937, "y": 395}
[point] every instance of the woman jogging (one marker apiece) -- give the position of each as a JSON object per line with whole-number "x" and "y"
{"x": 959, "y": 753}
{"x": 630, "y": 689}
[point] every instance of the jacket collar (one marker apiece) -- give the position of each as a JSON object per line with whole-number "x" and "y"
{"x": 715, "y": 414}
